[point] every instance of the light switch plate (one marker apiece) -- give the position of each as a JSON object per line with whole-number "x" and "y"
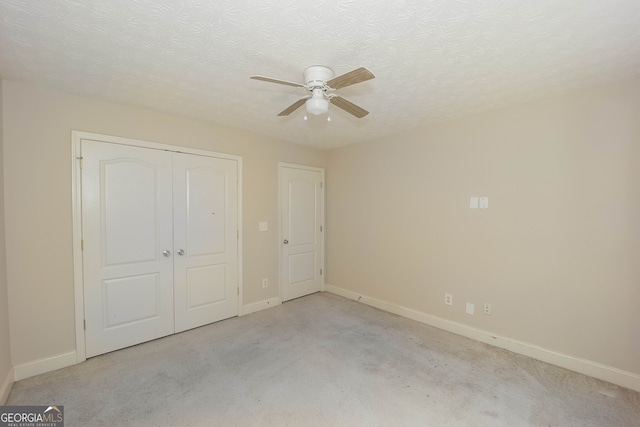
{"x": 263, "y": 226}
{"x": 484, "y": 202}
{"x": 470, "y": 308}
{"x": 473, "y": 203}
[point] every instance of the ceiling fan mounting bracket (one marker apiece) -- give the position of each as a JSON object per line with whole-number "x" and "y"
{"x": 316, "y": 76}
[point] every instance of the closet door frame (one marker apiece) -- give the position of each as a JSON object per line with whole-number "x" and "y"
{"x": 76, "y": 194}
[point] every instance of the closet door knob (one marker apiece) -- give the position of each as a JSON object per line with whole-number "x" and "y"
{"x": 180, "y": 252}
{"x": 286, "y": 242}
{"x": 166, "y": 253}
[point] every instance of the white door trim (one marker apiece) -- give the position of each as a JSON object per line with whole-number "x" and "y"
{"x": 76, "y": 193}
{"x": 282, "y": 165}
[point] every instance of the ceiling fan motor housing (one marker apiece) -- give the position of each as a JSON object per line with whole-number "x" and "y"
{"x": 317, "y": 75}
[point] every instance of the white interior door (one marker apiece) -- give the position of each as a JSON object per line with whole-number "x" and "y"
{"x": 160, "y": 235}
{"x": 302, "y": 217}
{"x": 206, "y": 240}
{"x": 127, "y": 225}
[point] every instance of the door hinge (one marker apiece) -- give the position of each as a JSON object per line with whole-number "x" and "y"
{"x": 238, "y": 291}
{"x": 321, "y": 229}
{"x": 321, "y": 272}
{"x": 237, "y": 234}
{"x": 80, "y": 158}
{"x": 321, "y": 184}
{"x": 85, "y": 324}
{"x": 82, "y": 245}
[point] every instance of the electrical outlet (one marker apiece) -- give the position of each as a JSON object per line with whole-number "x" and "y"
{"x": 470, "y": 308}
{"x": 487, "y": 309}
{"x": 265, "y": 282}
{"x": 448, "y": 299}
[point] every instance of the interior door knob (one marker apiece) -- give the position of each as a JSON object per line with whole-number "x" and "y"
{"x": 180, "y": 252}
{"x": 285, "y": 241}
{"x": 166, "y": 253}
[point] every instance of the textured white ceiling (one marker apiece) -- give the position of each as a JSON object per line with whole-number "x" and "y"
{"x": 433, "y": 60}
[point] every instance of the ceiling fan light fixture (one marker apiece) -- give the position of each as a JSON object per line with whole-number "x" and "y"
{"x": 318, "y": 80}
{"x": 317, "y": 106}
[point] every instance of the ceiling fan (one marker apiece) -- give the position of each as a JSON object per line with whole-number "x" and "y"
{"x": 321, "y": 85}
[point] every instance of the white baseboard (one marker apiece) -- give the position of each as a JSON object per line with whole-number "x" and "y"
{"x": 5, "y": 388}
{"x": 593, "y": 369}
{"x": 41, "y": 366}
{"x": 260, "y": 305}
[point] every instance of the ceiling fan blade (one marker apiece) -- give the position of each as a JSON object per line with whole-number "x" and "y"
{"x": 349, "y": 107}
{"x": 293, "y": 107}
{"x": 281, "y": 82}
{"x": 352, "y": 77}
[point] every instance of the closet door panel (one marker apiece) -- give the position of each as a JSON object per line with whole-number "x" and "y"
{"x": 206, "y": 242}
{"x": 127, "y": 225}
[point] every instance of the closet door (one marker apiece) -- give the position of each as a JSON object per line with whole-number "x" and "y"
{"x": 128, "y": 243}
{"x": 205, "y": 195}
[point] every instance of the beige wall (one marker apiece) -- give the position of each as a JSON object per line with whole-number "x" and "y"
{"x": 37, "y": 125}
{"x": 557, "y": 252}
{"x": 5, "y": 345}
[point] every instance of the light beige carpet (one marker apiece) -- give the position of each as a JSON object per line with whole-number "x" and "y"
{"x": 323, "y": 360}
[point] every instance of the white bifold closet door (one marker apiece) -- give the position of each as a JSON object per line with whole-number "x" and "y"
{"x": 160, "y": 243}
